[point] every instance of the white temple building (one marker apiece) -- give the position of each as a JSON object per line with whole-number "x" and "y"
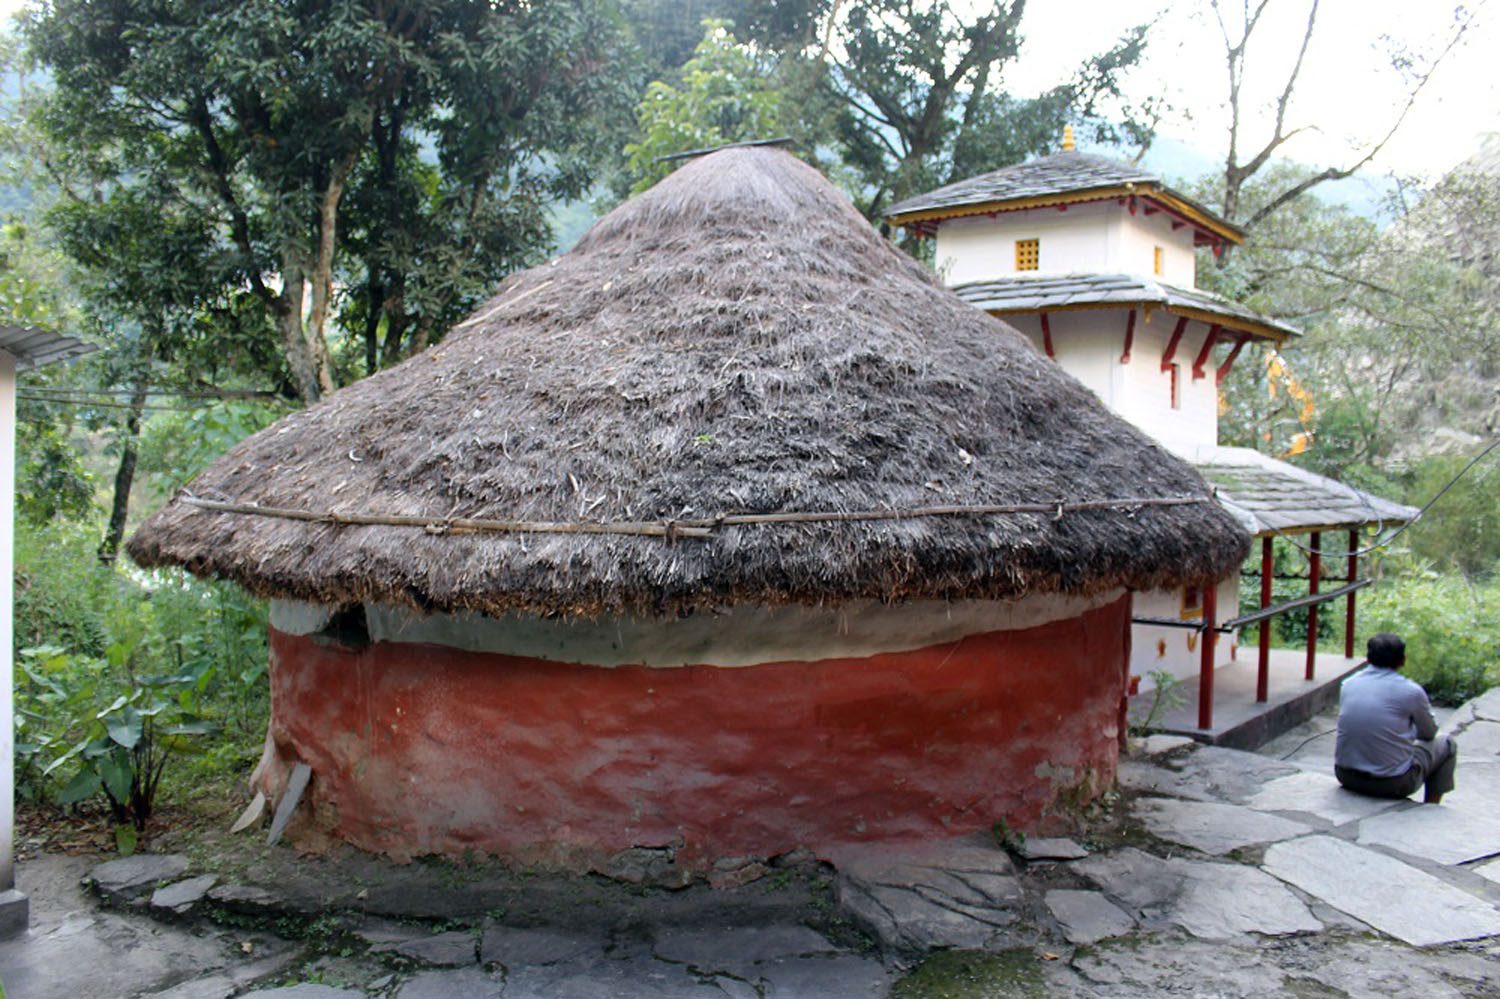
{"x": 1095, "y": 261}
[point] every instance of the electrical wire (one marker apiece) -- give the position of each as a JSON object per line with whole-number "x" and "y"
{"x": 1385, "y": 542}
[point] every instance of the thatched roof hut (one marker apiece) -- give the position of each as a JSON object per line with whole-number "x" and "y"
{"x": 736, "y": 341}
{"x": 913, "y": 533}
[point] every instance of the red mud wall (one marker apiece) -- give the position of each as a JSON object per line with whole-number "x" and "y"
{"x": 420, "y": 748}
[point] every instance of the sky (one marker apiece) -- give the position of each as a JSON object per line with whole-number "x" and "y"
{"x": 1347, "y": 94}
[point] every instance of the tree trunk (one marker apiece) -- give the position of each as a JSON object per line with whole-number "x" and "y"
{"x": 321, "y": 278}
{"x": 109, "y": 548}
{"x": 299, "y": 356}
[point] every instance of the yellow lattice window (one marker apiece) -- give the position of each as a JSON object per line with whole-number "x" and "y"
{"x": 1158, "y": 264}
{"x": 1027, "y": 253}
{"x": 1192, "y": 603}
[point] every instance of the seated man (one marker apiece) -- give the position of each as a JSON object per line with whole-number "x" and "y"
{"x": 1387, "y": 742}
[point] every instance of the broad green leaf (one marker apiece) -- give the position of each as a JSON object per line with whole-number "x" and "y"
{"x": 116, "y": 774}
{"x": 65, "y": 757}
{"x": 125, "y": 840}
{"x": 82, "y": 786}
{"x": 118, "y": 703}
{"x": 126, "y": 728}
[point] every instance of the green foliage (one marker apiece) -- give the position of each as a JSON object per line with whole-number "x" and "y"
{"x": 728, "y": 93}
{"x": 177, "y": 446}
{"x": 1462, "y": 529}
{"x": 968, "y": 974}
{"x": 1449, "y": 625}
{"x": 919, "y": 86}
{"x": 1166, "y": 697}
{"x": 126, "y": 678}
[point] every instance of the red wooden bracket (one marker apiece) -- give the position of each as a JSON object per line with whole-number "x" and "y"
{"x": 1047, "y": 336}
{"x": 1171, "y": 351}
{"x": 1239, "y": 345}
{"x": 1129, "y": 337}
{"x": 1208, "y": 345}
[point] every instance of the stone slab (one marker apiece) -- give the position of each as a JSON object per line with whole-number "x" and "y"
{"x": 1438, "y": 833}
{"x": 465, "y": 983}
{"x": 453, "y": 949}
{"x": 251, "y": 900}
{"x": 1160, "y": 745}
{"x": 845, "y": 975}
{"x": 738, "y": 950}
{"x": 212, "y": 987}
{"x": 1490, "y": 870}
{"x": 1212, "y": 827}
{"x": 307, "y": 991}
{"x": 128, "y": 877}
{"x": 1487, "y": 705}
{"x": 1087, "y": 916}
{"x": 1209, "y": 773}
{"x": 290, "y": 796}
{"x": 1209, "y": 900}
{"x": 514, "y": 946}
{"x": 180, "y": 896}
{"x": 15, "y": 913}
{"x": 1316, "y": 794}
{"x": 1051, "y": 848}
{"x": 633, "y": 978}
{"x": 953, "y": 894}
{"x": 1479, "y": 741}
{"x": 1393, "y": 897}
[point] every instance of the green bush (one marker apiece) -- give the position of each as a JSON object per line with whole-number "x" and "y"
{"x": 118, "y": 672}
{"x": 1449, "y": 625}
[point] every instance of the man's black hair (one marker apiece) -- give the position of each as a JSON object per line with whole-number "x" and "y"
{"x": 1386, "y": 650}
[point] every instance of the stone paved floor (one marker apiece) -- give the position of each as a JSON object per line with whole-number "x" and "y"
{"x": 1222, "y": 873}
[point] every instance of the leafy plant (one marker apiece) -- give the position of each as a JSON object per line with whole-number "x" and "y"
{"x": 120, "y": 750}
{"x": 1166, "y": 697}
{"x": 1449, "y": 625}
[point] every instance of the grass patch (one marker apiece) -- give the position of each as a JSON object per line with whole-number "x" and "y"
{"x": 968, "y": 974}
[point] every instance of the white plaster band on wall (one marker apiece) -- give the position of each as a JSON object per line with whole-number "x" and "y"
{"x": 740, "y": 636}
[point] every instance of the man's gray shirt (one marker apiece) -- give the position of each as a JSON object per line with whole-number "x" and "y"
{"x": 1381, "y": 713}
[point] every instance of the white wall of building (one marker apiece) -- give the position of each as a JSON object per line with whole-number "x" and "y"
{"x": 1177, "y": 650}
{"x": 1088, "y": 344}
{"x": 727, "y": 637}
{"x": 1098, "y": 237}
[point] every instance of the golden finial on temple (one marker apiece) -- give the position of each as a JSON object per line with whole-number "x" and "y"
{"x": 1067, "y": 138}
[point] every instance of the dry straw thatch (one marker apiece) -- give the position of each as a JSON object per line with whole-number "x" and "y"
{"x": 736, "y": 339}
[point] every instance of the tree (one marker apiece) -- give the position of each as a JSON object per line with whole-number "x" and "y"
{"x": 922, "y": 90}
{"x": 890, "y": 96}
{"x": 453, "y": 119}
{"x": 729, "y": 93}
{"x": 1241, "y": 165}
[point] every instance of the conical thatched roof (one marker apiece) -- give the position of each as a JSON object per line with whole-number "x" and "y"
{"x": 735, "y": 340}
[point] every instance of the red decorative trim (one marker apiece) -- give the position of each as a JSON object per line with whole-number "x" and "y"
{"x": 1239, "y": 345}
{"x": 1171, "y": 351}
{"x": 1263, "y": 663}
{"x": 1129, "y": 336}
{"x": 1047, "y": 336}
{"x": 1206, "y": 658}
{"x": 1314, "y": 573}
{"x": 1208, "y": 345}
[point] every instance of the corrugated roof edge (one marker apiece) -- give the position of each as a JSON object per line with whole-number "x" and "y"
{"x": 1073, "y": 290}
{"x": 35, "y": 348}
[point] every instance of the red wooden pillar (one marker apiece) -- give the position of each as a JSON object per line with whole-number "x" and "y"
{"x": 1349, "y": 608}
{"x": 1206, "y": 660}
{"x": 1314, "y": 569}
{"x": 1263, "y": 666}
